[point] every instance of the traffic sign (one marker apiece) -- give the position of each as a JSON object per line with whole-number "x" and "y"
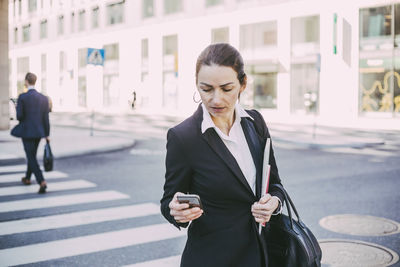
{"x": 95, "y": 56}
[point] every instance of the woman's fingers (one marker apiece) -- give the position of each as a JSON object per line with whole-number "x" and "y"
{"x": 186, "y": 215}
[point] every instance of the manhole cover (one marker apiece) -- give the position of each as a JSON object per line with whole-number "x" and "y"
{"x": 352, "y": 253}
{"x": 362, "y": 225}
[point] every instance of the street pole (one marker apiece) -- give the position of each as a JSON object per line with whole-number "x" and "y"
{"x": 4, "y": 74}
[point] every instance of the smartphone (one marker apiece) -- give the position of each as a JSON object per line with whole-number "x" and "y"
{"x": 193, "y": 200}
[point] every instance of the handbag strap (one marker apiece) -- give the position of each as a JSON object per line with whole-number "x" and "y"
{"x": 289, "y": 205}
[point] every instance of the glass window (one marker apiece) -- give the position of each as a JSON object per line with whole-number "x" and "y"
{"x": 82, "y": 56}
{"x": 145, "y": 59}
{"x": 72, "y": 22}
{"x": 220, "y": 35}
{"x": 22, "y": 69}
{"x": 214, "y": 2}
{"x": 81, "y": 20}
{"x": 305, "y": 61}
{"x": 26, "y": 33}
{"x": 378, "y": 62}
{"x": 115, "y": 13}
{"x": 261, "y": 86}
{"x": 145, "y": 48}
{"x": 15, "y": 35}
{"x": 60, "y": 26}
{"x": 170, "y": 71}
{"x": 111, "y": 52}
{"x": 258, "y": 35}
{"x": 19, "y": 7}
{"x": 62, "y": 62}
{"x": 32, "y": 5}
{"x": 95, "y": 17}
{"x": 14, "y": 7}
{"x": 43, "y": 29}
{"x": 43, "y": 63}
{"x": 172, "y": 6}
{"x": 147, "y": 8}
{"x": 82, "y": 91}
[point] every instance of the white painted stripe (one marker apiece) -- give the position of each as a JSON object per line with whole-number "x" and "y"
{"x": 48, "y": 202}
{"x": 87, "y": 244}
{"x": 78, "y": 218}
{"x": 13, "y": 168}
{"x": 53, "y": 187}
{"x": 16, "y": 177}
{"x": 173, "y": 261}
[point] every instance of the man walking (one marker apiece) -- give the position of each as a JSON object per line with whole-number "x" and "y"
{"x": 33, "y": 116}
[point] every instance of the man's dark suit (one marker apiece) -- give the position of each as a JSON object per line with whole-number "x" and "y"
{"x": 33, "y": 116}
{"x": 226, "y": 234}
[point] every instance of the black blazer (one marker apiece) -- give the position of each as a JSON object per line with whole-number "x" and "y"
{"x": 33, "y": 115}
{"x": 226, "y": 234}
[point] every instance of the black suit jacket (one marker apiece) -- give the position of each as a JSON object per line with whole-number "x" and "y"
{"x": 226, "y": 234}
{"x": 33, "y": 115}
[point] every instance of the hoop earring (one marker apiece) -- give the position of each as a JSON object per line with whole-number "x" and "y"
{"x": 194, "y": 96}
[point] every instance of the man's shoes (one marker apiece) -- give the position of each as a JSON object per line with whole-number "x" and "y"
{"x": 42, "y": 188}
{"x": 25, "y": 181}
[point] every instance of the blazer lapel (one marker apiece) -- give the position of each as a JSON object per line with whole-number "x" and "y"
{"x": 255, "y": 149}
{"x": 215, "y": 142}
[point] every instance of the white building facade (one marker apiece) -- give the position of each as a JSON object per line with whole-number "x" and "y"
{"x": 336, "y": 62}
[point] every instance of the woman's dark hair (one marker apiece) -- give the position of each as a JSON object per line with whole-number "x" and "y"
{"x": 223, "y": 55}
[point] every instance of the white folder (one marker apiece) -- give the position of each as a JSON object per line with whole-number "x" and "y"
{"x": 265, "y": 175}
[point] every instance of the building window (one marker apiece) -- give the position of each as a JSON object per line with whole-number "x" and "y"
{"x": 378, "y": 60}
{"x": 14, "y": 7}
{"x": 170, "y": 71}
{"x": 81, "y": 20}
{"x": 111, "y": 81}
{"x": 62, "y": 62}
{"x": 26, "y": 33}
{"x": 43, "y": 29}
{"x": 258, "y": 35}
{"x": 172, "y": 6}
{"x": 95, "y": 17}
{"x": 22, "y": 69}
{"x": 145, "y": 59}
{"x": 60, "y": 26}
{"x": 82, "y": 91}
{"x": 72, "y": 22}
{"x": 115, "y": 13}
{"x": 15, "y": 35}
{"x": 220, "y": 35}
{"x": 304, "y": 70}
{"x": 210, "y": 3}
{"x": 44, "y": 70}
{"x": 82, "y": 56}
{"x": 19, "y": 7}
{"x": 32, "y": 5}
{"x": 147, "y": 8}
{"x": 258, "y": 44}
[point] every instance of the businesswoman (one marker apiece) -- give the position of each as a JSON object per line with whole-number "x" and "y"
{"x": 217, "y": 153}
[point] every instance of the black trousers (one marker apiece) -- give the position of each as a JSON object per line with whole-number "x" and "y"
{"x": 31, "y": 147}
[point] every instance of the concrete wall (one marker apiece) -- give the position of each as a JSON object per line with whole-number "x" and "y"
{"x": 4, "y": 93}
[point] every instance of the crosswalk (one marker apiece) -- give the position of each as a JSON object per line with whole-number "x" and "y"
{"x": 15, "y": 197}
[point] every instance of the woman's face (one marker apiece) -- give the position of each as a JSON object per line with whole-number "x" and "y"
{"x": 219, "y": 89}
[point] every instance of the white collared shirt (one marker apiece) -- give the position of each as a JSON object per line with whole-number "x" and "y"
{"x": 236, "y": 143}
{"x": 31, "y": 87}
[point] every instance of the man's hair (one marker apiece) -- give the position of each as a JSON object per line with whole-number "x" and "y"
{"x": 30, "y": 78}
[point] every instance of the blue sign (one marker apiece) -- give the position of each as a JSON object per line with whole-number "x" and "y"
{"x": 95, "y": 56}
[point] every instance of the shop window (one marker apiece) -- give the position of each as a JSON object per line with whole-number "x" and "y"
{"x": 258, "y": 35}
{"x": 220, "y": 35}
{"x": 210, "y": 3}
{"x": 170, "y": 71}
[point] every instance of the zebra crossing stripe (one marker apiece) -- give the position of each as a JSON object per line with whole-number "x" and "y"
{"x": 173, "y": 261}
{"x": 58, "y": 201}
{"x": 13, "y": 168}
{"x": 53, "y": 187}
{"x": 78, "y": 218}
{"x": 16, "y": 177}
{"x": 87, "y": 244}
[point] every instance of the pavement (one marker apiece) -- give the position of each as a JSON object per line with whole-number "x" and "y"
{"x": 71, "y": 135}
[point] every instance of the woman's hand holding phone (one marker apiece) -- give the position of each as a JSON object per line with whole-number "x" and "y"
{"x": 182, "y": 212}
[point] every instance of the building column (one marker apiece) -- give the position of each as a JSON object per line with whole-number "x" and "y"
{"x": 4, "y": 93}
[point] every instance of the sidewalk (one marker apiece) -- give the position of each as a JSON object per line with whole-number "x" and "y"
{"x": 65, "y": 142}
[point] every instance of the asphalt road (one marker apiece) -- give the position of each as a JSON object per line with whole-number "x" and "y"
{"x": 321, "y": 183}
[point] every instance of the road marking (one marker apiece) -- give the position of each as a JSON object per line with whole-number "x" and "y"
{"x": 164, "y": 262}
{"x": 13, "y": 168}
{"x": 87, "y": 244}
{"x": 49, "y": 202}
{"x": 16, "y": 177}
{"x": 60, "y": 186}
{"x": 78, "y": 218}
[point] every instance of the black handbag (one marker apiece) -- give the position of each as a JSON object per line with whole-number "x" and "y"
{"x": 289, "y": 242}
{"x": 47, "y": 158}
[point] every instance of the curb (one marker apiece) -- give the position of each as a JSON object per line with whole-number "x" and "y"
{"x": 319, "y": 145}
